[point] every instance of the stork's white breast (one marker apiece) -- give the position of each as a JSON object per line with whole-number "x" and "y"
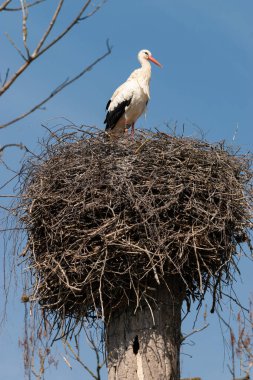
{"x": 137, "y": 106}
{"x": 135, "y": 90}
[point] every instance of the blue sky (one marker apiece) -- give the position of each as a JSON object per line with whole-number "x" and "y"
{"x": 206, "y": 48}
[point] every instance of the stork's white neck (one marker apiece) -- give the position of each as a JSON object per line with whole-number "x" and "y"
{"x": 145, "y": 75}
{"x": 145, "y": 64}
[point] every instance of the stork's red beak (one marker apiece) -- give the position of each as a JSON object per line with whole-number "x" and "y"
{"x": 152, "y": 59}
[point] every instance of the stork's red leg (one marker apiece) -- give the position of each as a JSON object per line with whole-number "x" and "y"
{"x": 126, "y": 128}
{"x": 132, "y": 130}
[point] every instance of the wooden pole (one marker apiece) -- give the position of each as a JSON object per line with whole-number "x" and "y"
{"x": 145, "y": 344}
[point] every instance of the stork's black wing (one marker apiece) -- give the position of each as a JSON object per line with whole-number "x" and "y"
{"x": 113, "y": 116}
{"x": 107, "y": 105}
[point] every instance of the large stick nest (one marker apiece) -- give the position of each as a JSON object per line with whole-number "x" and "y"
{"x": 107, "y": 221}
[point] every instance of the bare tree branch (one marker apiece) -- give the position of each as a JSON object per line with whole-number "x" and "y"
{"x": 95, "y": 348}
{"x": 38, "y": 51}
{"x": 4, "y": 5}
{"x": 5, "y": 77}
{"x": 194, "y": 332}
{"x": 63, "y": 85}
{"x": 29, "y": 5}
{"x": 24, "y": 25}
{"x": 15, "y": 47}
{"x": 77, "y": 358}
{"x": 66, "y": 30}
{"x": 14, "y": 77}
{"x": 51, "y": 24}
{"x": 93, "y": 12}
{"x": 20, "y": 146}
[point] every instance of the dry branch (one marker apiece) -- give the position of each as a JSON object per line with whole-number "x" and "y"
{"x": 56, "y": 91}
{"x": 5, "y": 5}
{"x": 43, "y": 45}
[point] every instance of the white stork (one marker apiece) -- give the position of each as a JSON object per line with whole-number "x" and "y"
{"x": 130, "y": 99}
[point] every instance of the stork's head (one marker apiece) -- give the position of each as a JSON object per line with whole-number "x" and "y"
{"x": 146, "y": 55}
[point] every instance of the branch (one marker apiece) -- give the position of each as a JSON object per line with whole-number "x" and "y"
{"x": 194, "y": 332}
{"x": 37, "y": 52}
{"x": 93, "y": 12}
{"x": 15, "y": 47}
{"x": 95, "y": 348}
{"x": 6, "y": 76}
{"x": 29, "y": 5}
{"x": 50, "y": 27}
{"x": 14, "y": 77}
{"x": 66, "y": 83}
{"x": 20, "y": 146}
{"x": 66, "y": 30}
{"x": 4, "y": 5}
{"x": 76, "y": 356}
{"x": 24, "y": 25}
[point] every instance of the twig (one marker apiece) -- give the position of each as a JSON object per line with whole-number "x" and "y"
{"x": 93, "y": 12}
{"x": 38, "y": 51}
{"x": 4, "y": 5}
{"x": 20, "y": 146}
{"x": 50, "y": 27}
{"x": 77, "y": 357}
{"x": 58, "y": 89}
{"x": 24, "y": 26}
{"x": 6, "y": 76}
{"x": 18, "y": 50}
{"x": 28, "y": 5}
{"x": 95, "y": 348}
{"x": 61, "y": 35}
{"x": 193, "y": 332}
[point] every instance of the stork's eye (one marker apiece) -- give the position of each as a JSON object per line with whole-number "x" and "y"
{"x": 145, "y": 52}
